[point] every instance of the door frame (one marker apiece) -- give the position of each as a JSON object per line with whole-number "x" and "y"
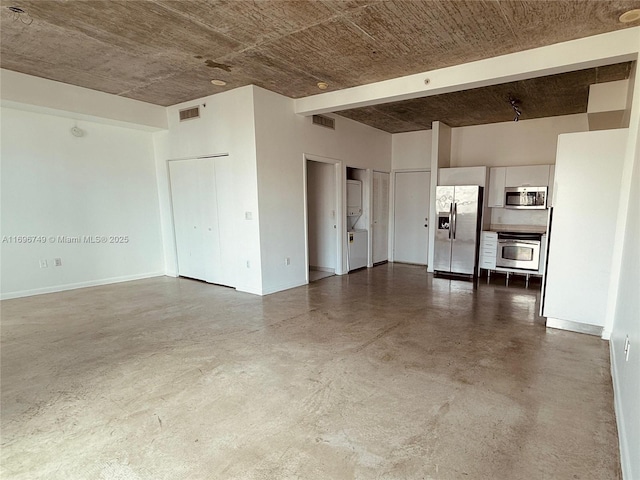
{"x": 341, "y": 210}
{"x": 392, "y": 208}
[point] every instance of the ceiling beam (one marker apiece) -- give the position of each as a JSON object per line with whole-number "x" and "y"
{"x": 588, "y": 52}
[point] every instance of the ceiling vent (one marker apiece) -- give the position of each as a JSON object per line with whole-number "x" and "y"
{"x": 189, "y": 113}
{"x": 324, "y": 121}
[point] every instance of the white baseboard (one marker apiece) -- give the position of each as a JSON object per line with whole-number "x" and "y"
{"x": 252, "y": 289}
{"x": 574, "y": 326}
{"x": 322, "y": 269}
{"x": 74, "y": 286}
{"x": 625, "y": 457}
{"x": 282, "y": 286}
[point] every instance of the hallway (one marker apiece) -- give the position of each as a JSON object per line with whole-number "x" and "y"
{"x": 387, "y": 373}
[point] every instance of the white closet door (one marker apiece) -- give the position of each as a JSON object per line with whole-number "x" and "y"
{"x": 187, "y": 217}
{"x": 208, "y": 207}
{"x": 380, "y": 224}
{"x": 225, "y": 274}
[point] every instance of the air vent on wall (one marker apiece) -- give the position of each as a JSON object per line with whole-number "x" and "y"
{"x": 324, "y": 121}
{"x": 189, "y": 113}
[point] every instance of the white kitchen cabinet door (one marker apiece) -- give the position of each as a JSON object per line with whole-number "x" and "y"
{"x": 380, "y": 223}
{"x": 496, "y": 186}
{"x": 410, "y": 215}
{"x": 462, "y": 176}
{"x": 488, "y": 250}
{"x": 527, "y": 176}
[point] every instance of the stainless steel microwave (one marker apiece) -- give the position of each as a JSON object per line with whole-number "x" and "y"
{"x": 525, "y": 197}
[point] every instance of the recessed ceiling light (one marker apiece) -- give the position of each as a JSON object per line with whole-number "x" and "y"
{"x": 219, "y": 83}
{"x": 323, "y": 85}
{"x": 630, "y": 16}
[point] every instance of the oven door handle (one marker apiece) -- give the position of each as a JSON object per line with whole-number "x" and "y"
{"x": 517, "y": 242}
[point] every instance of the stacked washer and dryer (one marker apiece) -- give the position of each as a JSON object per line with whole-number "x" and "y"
{"x": 357, "y": 239}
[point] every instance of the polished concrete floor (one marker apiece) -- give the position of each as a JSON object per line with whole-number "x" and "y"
{"x": 387, "y": 373}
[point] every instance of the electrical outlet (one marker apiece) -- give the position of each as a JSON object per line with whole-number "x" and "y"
{"x": 43, "y": 263}
{"x": 248, "y": 216}
{"x": 248, "y": 264}
{"x": 287, "y": 261}
{"x": 57, "y": 262}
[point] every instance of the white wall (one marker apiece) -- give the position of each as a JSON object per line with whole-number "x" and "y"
{"x": 55, "y": 184}
{"x": 624, "y": 308}
{"x": 26, "y": 92}
{"x": 411, "y": 150}
{"x": 226, "y": 125}
{"x": 627, "y": 323}
{"x": 282, "y": 140}
{"x": 588, "y": 179}
{"x": 527, "y": 142}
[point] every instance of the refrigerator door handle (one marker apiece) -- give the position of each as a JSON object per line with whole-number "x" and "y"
{"x": 450, "y": 219}
{"x": 455, "y": 218}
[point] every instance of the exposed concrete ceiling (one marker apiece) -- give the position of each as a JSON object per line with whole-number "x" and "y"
{"x": 167, "y": 51}
{"x": 553, "y": 95}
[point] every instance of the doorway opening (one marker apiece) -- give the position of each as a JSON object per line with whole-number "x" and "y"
{"x": 324, "y": 255}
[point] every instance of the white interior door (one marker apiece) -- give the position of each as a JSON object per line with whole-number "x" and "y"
{"x": 321, "y": 216}
{"x": 380, "y": 223}
{"x": 411, "y": 217}
{"x": 186, "y": 198}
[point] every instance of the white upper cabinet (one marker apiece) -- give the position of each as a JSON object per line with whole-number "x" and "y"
{"x": 527, "y": 176}
{"x": 463, "y": 176}
{"x": 496, "y": 186}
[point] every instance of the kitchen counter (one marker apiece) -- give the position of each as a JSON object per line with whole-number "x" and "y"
{"x": 497, "y": 227}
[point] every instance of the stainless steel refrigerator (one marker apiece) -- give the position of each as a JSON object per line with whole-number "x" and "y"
{"x": 459, "y": 215}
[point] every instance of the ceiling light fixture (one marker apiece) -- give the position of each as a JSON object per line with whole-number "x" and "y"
{"x": 20, "y": 14}
{"x": 323, "y": 85}
{"x": 515, "y": 104}
{"x": 219, "y": 83}
{"x": 630, "y": 16}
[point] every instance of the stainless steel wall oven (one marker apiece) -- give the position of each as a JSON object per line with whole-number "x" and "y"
{"x": 519, "y": 250}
